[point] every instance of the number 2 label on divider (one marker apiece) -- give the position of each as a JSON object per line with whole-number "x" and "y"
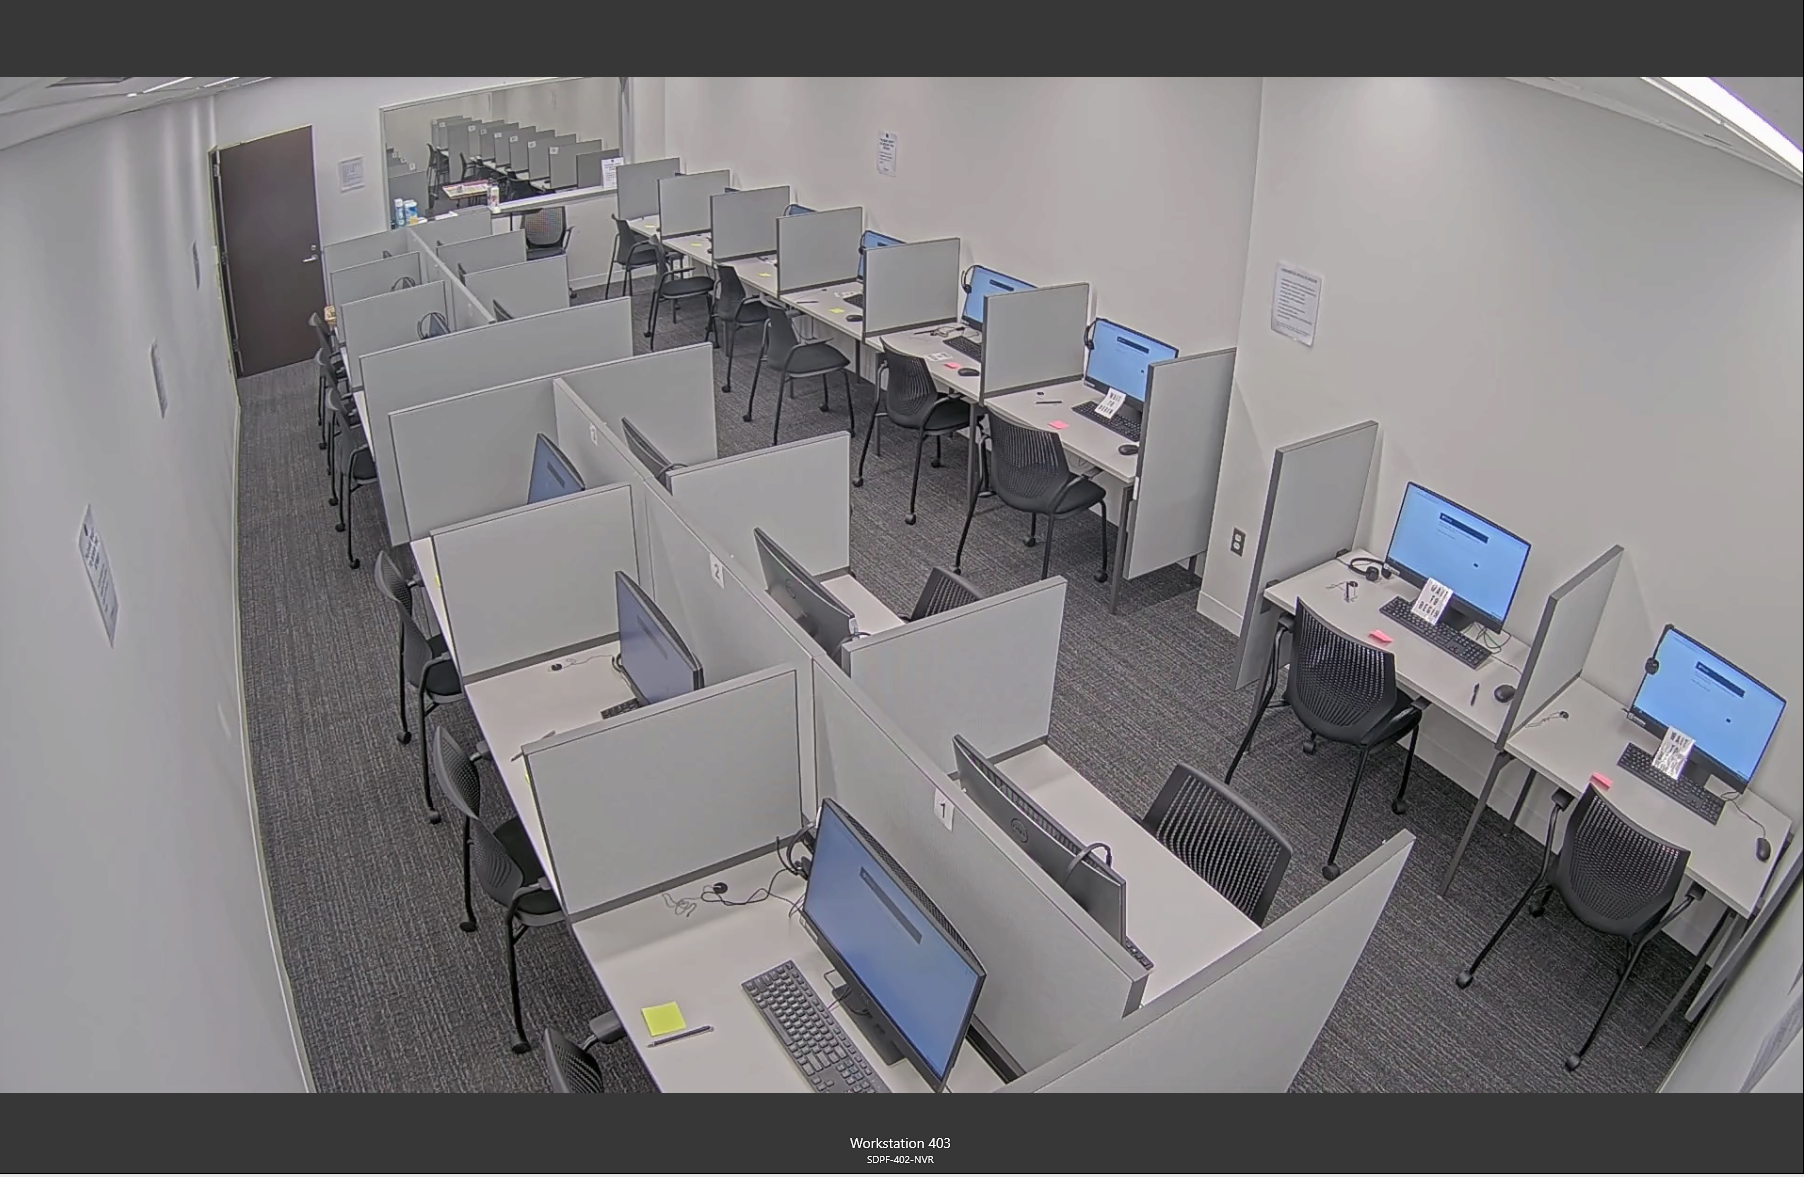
{"x": 720, "y": 577}
{"x": 942, "y": 808}
{"x": 594, "y": 436}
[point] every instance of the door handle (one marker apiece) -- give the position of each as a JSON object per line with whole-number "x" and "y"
{"x": 312, "y": 257}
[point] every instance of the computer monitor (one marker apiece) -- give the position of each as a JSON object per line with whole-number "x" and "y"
{"x": 1480, "y": 561}
{"x": 872, "y": 240}
{"x": 796, "y": 210}
{"x": 1730, "y": 715}
{"x": 984, "y": 283}
{"x": 657, "y": 665}
{"x": 649, "y": 455}
{"x": 1119, "y": 359}
{"x": 803, "y": 597}
{"x": 502, "y": 314}
{"x": 902, "y": 961}
{"x": 552, "y": 474}
{"x": 1088, "y": 880}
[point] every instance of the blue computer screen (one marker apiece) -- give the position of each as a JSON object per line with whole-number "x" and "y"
{"x": 796, "y": 210}
{"x": 1119, "y": 358}
{"x": 1728, "y": 714}
{"x": 983, "y": 284}
{"x": 872, "y": 240}
{"x": 894, "y": 952}
{"x": 649, "y": 653}
{"x": 552, "y": 476}
{"x": 1479, "y": 561}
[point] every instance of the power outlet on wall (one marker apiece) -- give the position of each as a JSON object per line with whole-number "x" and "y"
{"x": 1238, "y": 545}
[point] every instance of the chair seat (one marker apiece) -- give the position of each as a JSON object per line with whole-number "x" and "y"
{"x": 443, "y": 682}
{"x": 685, "y": 287}
{"x": 437, "y": 644}
{"x": 513, "y": 838}
{"x": 363, "y": 466}
{"x": 1080, "y": 496}
{"x": 535, "y": 252}
{"x": 751, "y": 312}
{"x": 816, "y": 359}
{"x": 943, "y": 416}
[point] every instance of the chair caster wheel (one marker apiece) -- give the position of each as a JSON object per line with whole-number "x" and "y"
{"x": 404, "y": 738}
{"x": 909, "y": 519}
{"x": 467, "y": 926}
{"x": 747, "y": 417}
{"x": 826, "y": 408}
{"x": 1572, "y": 1062}
{"x": 521, "y": 1048}
{"x": 858, "y": 482}
{"x": 1309, "y": 745}
{"x": 937, "y": 464}
{"x": 726, "y": 388}
{"x": 433, "y": 816}
{"x": 331, "y": 502}
{"x": 1030, "y": 542}
{"x": 1538, "y": 910}
{"x": 356, "y": 563}
{"x": 338, "y": 527}
{"x": 1399, "y": 807}
{"x": 1102, "y": 578}
{"x": 1464, "y": 980}
{"x": 322, "y": 445}
{"x": 1331, "y": 871}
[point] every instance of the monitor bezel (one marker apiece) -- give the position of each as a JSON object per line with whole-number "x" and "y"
{"x": 1657, "y": 728}
{"x": 636, "y": 441}
{"x": 863, "y": 249}
{"x": 977, "y": 325}
{"x": 1090, "y": 344}
{"x": 626, "y": 584}
{"x": 575, "y": 474}
{"x": 792, "y": 568}
{"x": 1418, "y": 579}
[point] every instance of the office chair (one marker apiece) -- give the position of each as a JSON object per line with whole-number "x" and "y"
{"x": 1028, "y": 471}
{"x": 1217, "y": 834}
{"x": 431, "y": 325}
{"x": 799, "y": 360}
{"x": 402, "y": 283}
{"x": 733, "y": 311}
{"x": 426, "y": 667}
{"x": 907, "y": 395}
{"x": 547, "y": 232}
{"x": 331, "y": 368}
{"x": 672, "y": 289}
{"x": 572, "y": 1068}
{"x": 460, "y": 783}
{"x": 943, "y": 591}
{"x": 1341, "y": 690}
{"x": 398, "y": 588}
{"x": 508, "y": 869}
{"x": 350, "y": 471}
{"x": 631, "y": 252}
{"x": 328, "y": 380}
{"x": 1615, "y": 877}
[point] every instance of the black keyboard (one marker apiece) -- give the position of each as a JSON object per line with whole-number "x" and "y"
{"x": 815, "y": 1042}
{"x": 622, "y": 708}
{"x": 1690, "y": 794}
{"x": 1442, "y": 637}
{"x": 1128, "y": 428}
{"x": 855, "y": 300}
{"x": 965, "y": 346}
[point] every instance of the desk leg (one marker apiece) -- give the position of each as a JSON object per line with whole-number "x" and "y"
{"x": 971, "y": 456}
{"x": 1478, "y": 810}
{"x": 1710, "y": 946}
{"x": 1121, "y": 546}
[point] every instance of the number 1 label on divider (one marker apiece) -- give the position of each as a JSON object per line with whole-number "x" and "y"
{"x": 1674, "y": 750}
{"x": 942, "y": 808}
{"x": 1431, "y": 602}
{"x": 1107, "y": 407}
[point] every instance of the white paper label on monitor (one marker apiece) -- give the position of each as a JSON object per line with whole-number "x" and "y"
{"x": 1108, "y": 406}
{"x": 720, "y": 576}
{"x": 1431, "y": 602}
{"x": 942, "y": 808}
{"x": 1674, "y": 750}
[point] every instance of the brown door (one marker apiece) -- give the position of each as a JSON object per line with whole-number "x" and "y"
{"x": 270, "y": 250}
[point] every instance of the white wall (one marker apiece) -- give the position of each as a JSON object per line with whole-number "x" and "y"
{"x": 588, "y": 108}
{"x": 1724, "y": 1046}
{"x": 137, "y": 945}
{"x": 1573, "y": 322}
{"x": 408, "y": 129}
{"x": 1140, "y": 186}
{"x": 345, "y": 114}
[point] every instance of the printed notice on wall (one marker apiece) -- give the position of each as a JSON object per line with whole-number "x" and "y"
{"x": 100, "y": 574}
{"x": 1296, "y": 299}
{"x": 156, "y": 376}
{"x": 887, "y": 144}
{"x": 350, "y": 174}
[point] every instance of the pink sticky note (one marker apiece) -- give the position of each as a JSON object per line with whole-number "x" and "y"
{"x": 1600, "y": 780}
{"x": 1382, "y": 638}
{"x": 955, "y": 367}
{"x": 1058, "y": 424}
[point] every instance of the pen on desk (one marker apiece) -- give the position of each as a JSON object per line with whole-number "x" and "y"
{"x": 680, "y": 1034}
{"x": 1474, "y": 702}
{"x": 1049, "y": 402}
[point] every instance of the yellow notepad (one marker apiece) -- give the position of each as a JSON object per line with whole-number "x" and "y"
{"x": 663, "y": 1019}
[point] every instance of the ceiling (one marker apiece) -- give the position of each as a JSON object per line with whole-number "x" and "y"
{"x": 34, "y": 107}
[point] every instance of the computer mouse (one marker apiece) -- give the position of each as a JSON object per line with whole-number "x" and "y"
{"x": 1504, "y": 693}
{"x": 854, "y": 318}
{"x": 1129, "y": 448}
{"x": 967, "y": 371}
{"x": 1763, "y": 849}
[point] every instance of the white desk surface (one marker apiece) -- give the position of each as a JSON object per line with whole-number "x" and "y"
{"x": 1180, "y": 922}
{"x": 871, "y": 615}
{"x": 425, "y": 560}
{"x": 1568, "y": 751}
{"x": 944, "y": 370}
{"x": 1085, "y": 440}
{"x": 827, "y": 305}
{"x": 1422, "y": 669}
{"x": 646, "y": 954}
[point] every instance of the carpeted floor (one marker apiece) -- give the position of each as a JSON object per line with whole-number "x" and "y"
{"x": 393, "y": 997}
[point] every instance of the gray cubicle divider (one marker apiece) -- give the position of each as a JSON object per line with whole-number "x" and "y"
{"x": 525, "y": 288}
{"x": 562, "y": 162}
{"x": 1185, "y": 427}
{"x": 467, "y": 310}
{"x": 661, "y": 796}
{"x": 668, "y": 396}
{"x": 1054, "y": 978}
{"x": 368, "y": 279}
{"x": 452, "y": 228}
{"x": 535, "y": 582}
{"x": 1246, "y": 1022}
{"x": 483, "y": 357}
{"x": 484, "y": 253}
{"x": 818, "y": 249}
{"x": 799, "y": 493}
{"x": 636, "y": 186}
{"x": 592, "y": 167}
{"x": 372, "y": 247}
{"x": 469, "y": 455}
{"x": 1032, "y": 338}
{"x": 385, "y": 321}
{"x": 744, "y": 224}
{"x": 413, "y": 184}
{"x": 909, "y": 286}
{"x": 984, "y": 671}
{"x": 1312, "y": 508}
{"x": 600, "y": 457}
{"x": 1569, "y": 622}
{"x": 538, "y": 156}
{"x": 683, "y": 201}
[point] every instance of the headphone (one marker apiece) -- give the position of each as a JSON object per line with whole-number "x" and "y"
{"x": 1652, "y": 666}
{"x": 1090, "y": 336}
{"x": 1370, "y": 567}
{"x": 964, "y": 279}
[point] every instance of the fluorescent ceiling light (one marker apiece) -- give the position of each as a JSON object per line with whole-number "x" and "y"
{"x": 220, "y": 82}
{"x": 1708, "y": 95}
{"x": 169, "y": 83}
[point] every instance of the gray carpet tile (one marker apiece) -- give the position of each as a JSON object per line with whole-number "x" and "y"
{"x": 393, "y": 997}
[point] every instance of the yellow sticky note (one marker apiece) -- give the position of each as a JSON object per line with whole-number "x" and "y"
{"x": 764, "y": 273}
{"x": 835, "y": 311}
{"x": 663, "y": 1019}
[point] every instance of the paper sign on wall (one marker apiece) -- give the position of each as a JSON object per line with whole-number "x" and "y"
{"x": 100, "y": 574}
{"x": 1675, "y": 750}
{"x": 1296, "y": 300}
{"x": 350, "y": 174}
{"x": 156, "y": 376}
{"x": 1431, "y": 602}
{"x": 608, "y": 167}
{"x": 1108, "y": 406}
{"x": 887, "y": 144}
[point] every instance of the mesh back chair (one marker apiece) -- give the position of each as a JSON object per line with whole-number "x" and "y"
{"x": 908, "y": 396}
{"x": 571, "y": 1070}
{"x": 1341, "y": 690}
{"x": 404, "y": 282}
{"x": 733, "y": 311}
{"x": 943, "y": 591}
{"x": 631, "y": 252}
{"x": 547, "y": 232}
{"x": 331, "y": 368}
{"x": 1028, "y": 471}
{"x": 508, "y": 871}
{"x": 427, "y": 668}
{"x": 399, "y": 590}
{"x": 351, "y": 464}
{"x": 459, "y": 783}
{"x": 432, "y": 324}
{"x": 328, "y": 381}
{"x": 796, "y": 360}
{"x": 672, "y": 289}
{"x": 1614, "y": 876}
{"x": 1222, "y": 838}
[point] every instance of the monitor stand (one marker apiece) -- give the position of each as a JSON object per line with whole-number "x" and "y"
{"x": 1455, "y": 619}
{"x": 852, "y": 999}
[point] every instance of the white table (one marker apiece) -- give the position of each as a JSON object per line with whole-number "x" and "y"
{"x": 871, "y": 615}
{"x": 425, "y": 562}
{"x": 1180, "y": 922}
